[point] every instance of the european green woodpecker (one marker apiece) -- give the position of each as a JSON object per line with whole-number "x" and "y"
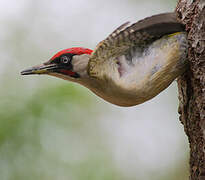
{"x": 132, "y": 65}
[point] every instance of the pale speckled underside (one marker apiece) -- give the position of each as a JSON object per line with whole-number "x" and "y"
{"x": 137, "y": 62}
{"x": 142, "y": 73}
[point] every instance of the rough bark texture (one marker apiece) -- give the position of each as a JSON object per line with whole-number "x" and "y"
{"x": 192, "y": 84}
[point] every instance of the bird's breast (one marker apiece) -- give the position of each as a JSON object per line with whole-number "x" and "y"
{"x": 142, "y": 73}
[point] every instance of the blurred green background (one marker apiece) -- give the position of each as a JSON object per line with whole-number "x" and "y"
{"x": 51, "y": 129}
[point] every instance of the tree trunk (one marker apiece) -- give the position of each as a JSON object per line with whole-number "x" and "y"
{"x": 191, "y": 85}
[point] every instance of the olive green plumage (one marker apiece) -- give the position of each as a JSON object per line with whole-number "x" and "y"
{"x": 139, "y": 34}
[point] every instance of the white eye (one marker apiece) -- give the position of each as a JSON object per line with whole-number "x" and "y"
{"x": 65, "y": 59}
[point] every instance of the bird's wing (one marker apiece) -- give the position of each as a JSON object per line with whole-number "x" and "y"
{"x": 139, "y": 34}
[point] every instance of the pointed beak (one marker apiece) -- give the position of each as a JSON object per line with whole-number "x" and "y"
{"x": 40, "y": 69}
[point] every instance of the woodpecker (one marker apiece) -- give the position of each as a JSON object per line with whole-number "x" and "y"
{"x": 132, "y": 65}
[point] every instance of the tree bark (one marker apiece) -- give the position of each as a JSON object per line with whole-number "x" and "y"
{"x": 191, "y": 85}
